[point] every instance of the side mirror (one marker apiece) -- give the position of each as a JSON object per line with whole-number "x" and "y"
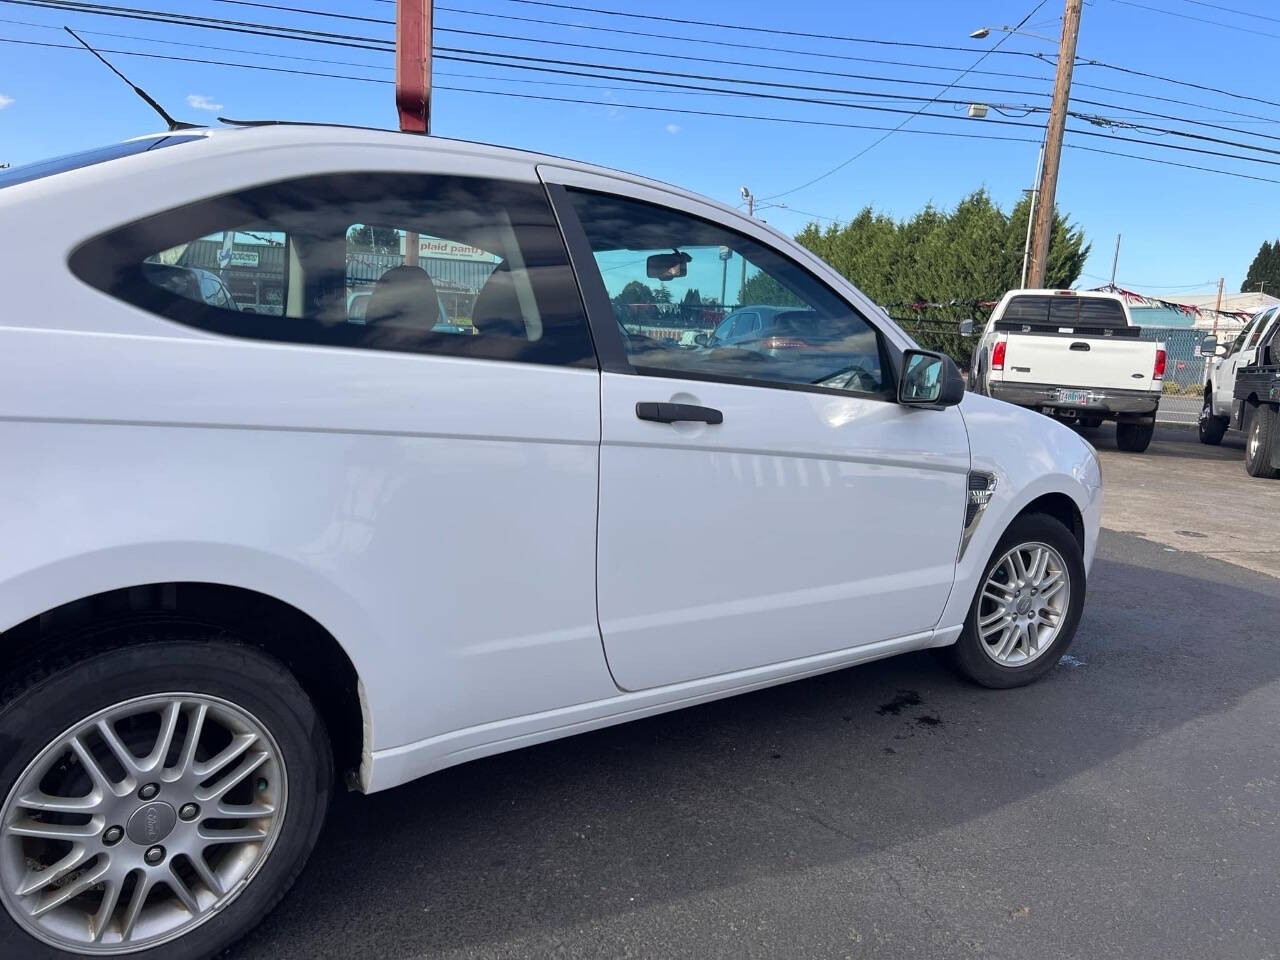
{"x": 1221, "y": 350}
{"x": 1209, "y": 346}
{"x": 700, "y": 339}
{"x": 929, "y": 380}
{"x": 966, "y": 328}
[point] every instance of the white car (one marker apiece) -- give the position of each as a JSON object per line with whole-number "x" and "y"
{"x": 249, "y": 556}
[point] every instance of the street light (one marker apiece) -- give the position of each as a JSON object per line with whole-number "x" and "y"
{"x": 983, "y": 32}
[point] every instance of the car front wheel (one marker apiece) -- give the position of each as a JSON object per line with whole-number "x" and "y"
{"x": 1027, "y": 607}
{"x": 159, "y": 799}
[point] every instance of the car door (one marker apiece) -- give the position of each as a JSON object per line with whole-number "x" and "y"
{"x": 1242, "y": 354}
{"x": 754, "y": 508}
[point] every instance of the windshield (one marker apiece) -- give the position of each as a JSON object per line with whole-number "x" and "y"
{"x": 86, "y": 158}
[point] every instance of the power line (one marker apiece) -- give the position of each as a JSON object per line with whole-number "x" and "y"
{"x": 771, "y": 31}
{"x": 819, "y": 36}
{"x": 467, "y": 56}
{"x": 672, "y": 110}
{"x": 1243, "y": 13}
{"x": 361, "y": 43}
{"x": 1212, "y": 23}
{"x": 871, "y": 146}
{"x": 808, "y": 53}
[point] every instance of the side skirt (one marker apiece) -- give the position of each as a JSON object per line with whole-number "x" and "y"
{"x": 393, "y": 766}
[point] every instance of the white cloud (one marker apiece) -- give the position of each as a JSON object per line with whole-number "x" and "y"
{"x": 5, "y": 101}
{"x": 200, "y": 102}
{"x": 673, "y": 128}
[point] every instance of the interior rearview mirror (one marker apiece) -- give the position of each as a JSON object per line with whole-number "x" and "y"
{"x": 929, "y": 380}
{"x": 667, "y": 266}
{"x": 966, "y": 328}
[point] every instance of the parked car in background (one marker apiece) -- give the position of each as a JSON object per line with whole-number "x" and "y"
{"x": 192, "y": 283}
{"x": 1074, "y": 356}
{"x": 250, "y": 559}
{"x": 1221, "y": 410}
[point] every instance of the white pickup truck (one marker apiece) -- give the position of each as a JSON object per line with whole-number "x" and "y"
{"x": 1220, "y": 412}
{"x": 1074, "y": 356}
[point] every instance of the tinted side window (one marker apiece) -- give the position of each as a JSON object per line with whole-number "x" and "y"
{"x": 1258, "y": 327}
{"x": 453, "y": 265}
{"x": 668, "y": 273}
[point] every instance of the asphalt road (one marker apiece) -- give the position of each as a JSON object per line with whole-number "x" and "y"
{"x": 1194, "y": 497}
{"x": 1127, "y": 806}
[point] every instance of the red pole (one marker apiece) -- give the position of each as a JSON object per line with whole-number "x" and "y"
{"x": 413, "y": 65}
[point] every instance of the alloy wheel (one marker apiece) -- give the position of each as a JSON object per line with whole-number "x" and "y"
{"x": 1023, "y": 604}
{"x": 140, "y": 822}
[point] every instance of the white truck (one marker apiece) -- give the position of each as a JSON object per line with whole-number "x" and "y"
{"x": 1219, "y": 411}
{"x": 1075, "y": 356}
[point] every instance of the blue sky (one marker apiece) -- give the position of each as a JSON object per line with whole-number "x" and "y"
{"x": 1182, "y": 228}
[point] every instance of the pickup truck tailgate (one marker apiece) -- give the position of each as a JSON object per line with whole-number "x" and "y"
{"x": 1079, "y": 361}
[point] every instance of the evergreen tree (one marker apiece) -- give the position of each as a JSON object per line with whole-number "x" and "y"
{"x": 1265, "y": 269}
{"x": 762, "y": 289}
{"x": 973, "y": 252}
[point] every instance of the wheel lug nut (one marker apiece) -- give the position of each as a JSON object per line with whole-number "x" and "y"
{"x": 148, "y": 791}
{"x": 154, "y": 855}
{"x": 112, "y": 835}
{"x": 189, "y": 811}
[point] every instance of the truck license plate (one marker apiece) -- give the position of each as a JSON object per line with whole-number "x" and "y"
{"x": 1076, "y": 397}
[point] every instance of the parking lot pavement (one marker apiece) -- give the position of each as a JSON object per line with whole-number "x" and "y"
{"x": 1127, "y": 806}
{"x": 1193, "y": 497}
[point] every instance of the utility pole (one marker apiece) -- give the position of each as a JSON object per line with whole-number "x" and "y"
{"x": 1217, "y": 311}
{"x": 413, "y": 65}
{"x": 751, "y": 212}
{"x": 413, "y": 82}
{"x": 1115, "y": 260}
{"x": 1053, "y": 142}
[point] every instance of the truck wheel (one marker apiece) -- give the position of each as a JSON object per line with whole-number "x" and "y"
{"x": 1027, "y": 607}
{"x": 1260, "y": 441}
{"x": 1212, "y": 429}
{"x": 159, "y": 798}
{"x": 1134, "y": 437}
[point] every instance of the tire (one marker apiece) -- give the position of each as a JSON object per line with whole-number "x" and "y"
{"x": 1134, "y": 437}
{"x": 1212, "y": 429}
{"x": 1260, "y": 441}
{"x": 289, "y": 792}
{"x": 974, "y": 658}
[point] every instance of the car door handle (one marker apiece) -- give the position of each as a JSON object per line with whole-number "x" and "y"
{"x": 675, "y": 412}
{"x": 1080, "y": 345}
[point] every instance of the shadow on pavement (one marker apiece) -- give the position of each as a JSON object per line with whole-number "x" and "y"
{"x": 772, "y": 783}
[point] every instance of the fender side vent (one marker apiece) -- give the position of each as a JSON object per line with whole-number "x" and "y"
{"x": 982, "y": 486}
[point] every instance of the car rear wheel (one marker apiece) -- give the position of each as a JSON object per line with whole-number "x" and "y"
{"x": 1260, "y": 440}
{"x": 1134, "y": 437}
{"x": 1027, "y": 607}
{"x": 159, "y": 799}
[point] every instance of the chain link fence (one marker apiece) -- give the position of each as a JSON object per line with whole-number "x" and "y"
{"x": 1184, "y": 370}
